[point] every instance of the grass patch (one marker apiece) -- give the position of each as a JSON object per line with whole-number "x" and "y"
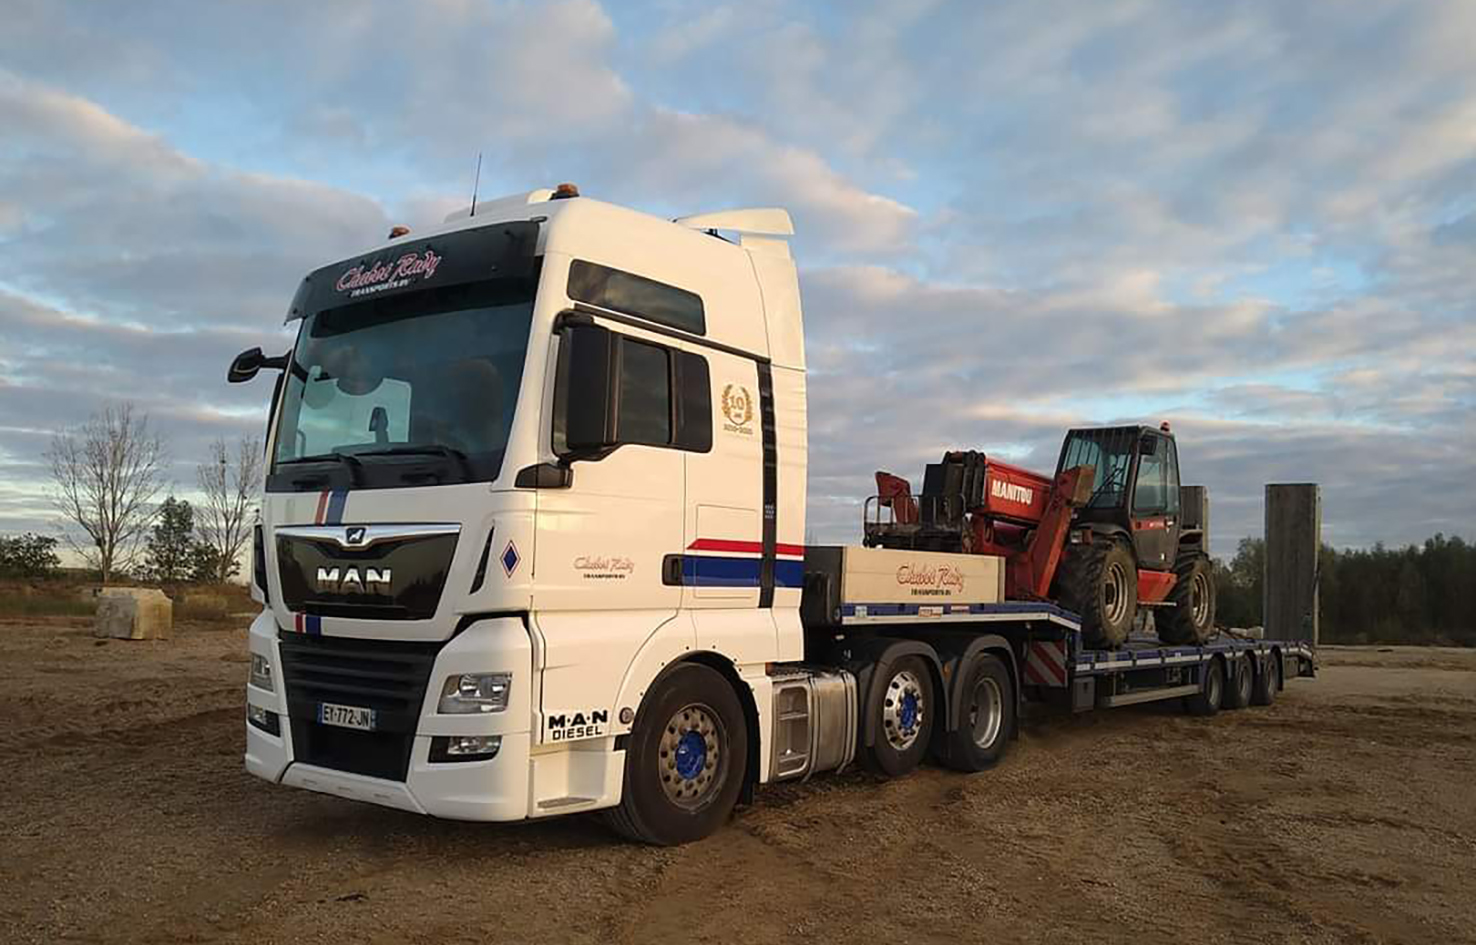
{"x": 39, "y": 605}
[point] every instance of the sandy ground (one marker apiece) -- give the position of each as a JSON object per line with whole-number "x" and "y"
{"x": 1345, "y": 813}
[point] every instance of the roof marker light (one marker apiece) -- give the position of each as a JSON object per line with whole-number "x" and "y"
{"x": 398, "y": 231}
{"x": 565, "y": 190}
{"x": 1164, "y": 426}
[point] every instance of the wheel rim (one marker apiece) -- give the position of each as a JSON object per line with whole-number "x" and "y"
{"x": 986, "y": 712}
{"x": 1213, "y": 684}
{"x": 690, "y": 759}
{"x": 1115, "y": 593}
{"x": 1199, "y": 598}
{"x": 1243, "y": 682}
{"x": 903, "y": 710}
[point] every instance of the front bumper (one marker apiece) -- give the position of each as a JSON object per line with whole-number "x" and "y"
{"x": 495, "y": 789}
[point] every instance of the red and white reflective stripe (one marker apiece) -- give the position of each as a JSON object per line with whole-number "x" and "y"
{"x": 735, "y": 547}
{"x": 322, "y": 507}
{"x": 1045, "y": 663}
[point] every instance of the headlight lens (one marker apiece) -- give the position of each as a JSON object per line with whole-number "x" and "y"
{"x": 261, "y": 672}
{"x": 469, "y": 693}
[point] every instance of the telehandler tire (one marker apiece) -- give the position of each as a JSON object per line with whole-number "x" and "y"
{"x": 1099, "y": 581}
{"x": 1192, "y": 617}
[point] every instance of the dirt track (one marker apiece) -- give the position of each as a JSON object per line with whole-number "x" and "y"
{"x": 1345, "y": 813}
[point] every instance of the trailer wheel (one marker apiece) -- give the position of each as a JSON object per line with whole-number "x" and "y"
{"x": 1242, "y": 682}
{"x": 1192, "y": 619}
{"x": 1211, "y": 692}
{"x": 1100, "y": 582}
{"x": 684, "y": 765}
{"x": 988, "y": 715}
{"x": 901, "y": 709}
{"x": 1268, "y": 680}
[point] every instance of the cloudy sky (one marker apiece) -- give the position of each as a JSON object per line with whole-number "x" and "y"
{"x": 1256, "y": 220}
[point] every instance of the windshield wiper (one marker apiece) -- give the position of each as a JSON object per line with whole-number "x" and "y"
{"x": 352, "y": 462}
{"x": 429, "y": 449}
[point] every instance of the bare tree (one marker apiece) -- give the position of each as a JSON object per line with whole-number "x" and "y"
{"x": 229, "y": 480}
{"x": 105, "y": 477}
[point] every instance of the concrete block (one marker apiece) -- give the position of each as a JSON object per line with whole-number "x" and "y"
{"x": 133, "y": 613}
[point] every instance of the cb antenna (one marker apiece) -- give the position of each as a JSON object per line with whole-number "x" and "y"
{"x": 476, "y": 182}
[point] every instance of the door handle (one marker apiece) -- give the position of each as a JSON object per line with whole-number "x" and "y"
{"x": 671, "y": 570}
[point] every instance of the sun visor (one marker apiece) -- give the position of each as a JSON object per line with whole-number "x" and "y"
{"x": 498, "y": 251}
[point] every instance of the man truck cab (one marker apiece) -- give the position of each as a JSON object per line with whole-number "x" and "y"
{"x": 519, "y": 467}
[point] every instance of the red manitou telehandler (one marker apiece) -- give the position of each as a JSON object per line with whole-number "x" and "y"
{"x": 1110, "y": 533}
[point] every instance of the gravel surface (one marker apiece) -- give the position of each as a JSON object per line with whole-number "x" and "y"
{"x": 1345, "y": 813}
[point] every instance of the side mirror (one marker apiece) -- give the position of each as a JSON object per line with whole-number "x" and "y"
{"x": 584, "y": 392}
{"x": 249, "y": 362}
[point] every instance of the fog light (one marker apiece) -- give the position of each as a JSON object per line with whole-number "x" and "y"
{"x": 261, "y": 672}
{"x": 263, "y": 719}
{"x": 465, "y": 747}
{"x": 475, "y": 692}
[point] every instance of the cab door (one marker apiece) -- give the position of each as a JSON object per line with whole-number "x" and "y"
{"x": 1155, "y": 503}
{"x": 602, "y": 540}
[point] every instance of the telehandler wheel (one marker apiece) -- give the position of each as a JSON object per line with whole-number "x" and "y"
{"x": 1211, "y": 692}
{"x": 684, "y": 765}
{"x": 1242, "y": 681}
{"x": 901, "y": 709}
{"x": 1192, "y": 619}
{"x": 988, "y": 715}
{"x": 1268, "y": 680}
{"x": 1100, "y": 582}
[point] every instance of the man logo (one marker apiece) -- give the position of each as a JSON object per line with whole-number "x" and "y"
{"x": 355, "y": 535}
{"x": 349, "y": 581}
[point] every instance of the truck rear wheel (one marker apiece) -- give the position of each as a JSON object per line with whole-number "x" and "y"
{"x": 987, "y": 716}
{"x": 1192, "y": 619}
{"x": 1099, "y": 581}
{"x": 900, "y": 707}
{"x": 1268, "y": 680}
{"x": 1239, "y": 687}
{"x": 684, "y": 765}
{"x": 1211, "y": 692}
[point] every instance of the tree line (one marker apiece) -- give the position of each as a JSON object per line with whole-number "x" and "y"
{"x": 107, "y": 479}
{"x": 1416, "y": 594}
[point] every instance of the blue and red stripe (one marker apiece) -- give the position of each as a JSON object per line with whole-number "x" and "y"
{"x": 330, "y": 507}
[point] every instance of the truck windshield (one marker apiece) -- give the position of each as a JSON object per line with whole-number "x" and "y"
{"x": 1111, "y": 453}
{"x": 379, "y": 389}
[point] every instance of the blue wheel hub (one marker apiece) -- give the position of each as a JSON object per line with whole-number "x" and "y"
{"x": 909, "y": 712}
{"x": 691, "y": 755}
{"x": 904, "y": 710}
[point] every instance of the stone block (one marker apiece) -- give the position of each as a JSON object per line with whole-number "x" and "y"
{"x": 133, "y": 613}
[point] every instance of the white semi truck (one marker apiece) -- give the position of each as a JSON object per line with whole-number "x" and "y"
{"x": 531, "y": 544}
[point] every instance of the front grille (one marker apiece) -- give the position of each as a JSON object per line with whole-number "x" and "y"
{"x": 397, "y": 579}
{"x": 387, "y": 676}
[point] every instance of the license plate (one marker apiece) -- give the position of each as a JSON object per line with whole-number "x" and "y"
{"x": 346, "y": 716}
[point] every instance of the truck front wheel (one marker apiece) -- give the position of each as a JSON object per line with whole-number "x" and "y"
{"x": 684, "y": 765}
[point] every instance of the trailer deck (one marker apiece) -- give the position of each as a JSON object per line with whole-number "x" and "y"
{"x": 1051, "y": 654}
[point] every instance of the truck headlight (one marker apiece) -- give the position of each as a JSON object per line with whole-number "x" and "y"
{"x": 261, "y": 672}
{"x": 468, "y": 693}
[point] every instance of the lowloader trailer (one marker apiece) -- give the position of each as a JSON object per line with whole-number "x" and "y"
{"x": 531, "y": 543}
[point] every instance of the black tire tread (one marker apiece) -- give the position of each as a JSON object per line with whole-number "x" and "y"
{"x": 1077, "y": 578}
{"x": 1180, "y": 628}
